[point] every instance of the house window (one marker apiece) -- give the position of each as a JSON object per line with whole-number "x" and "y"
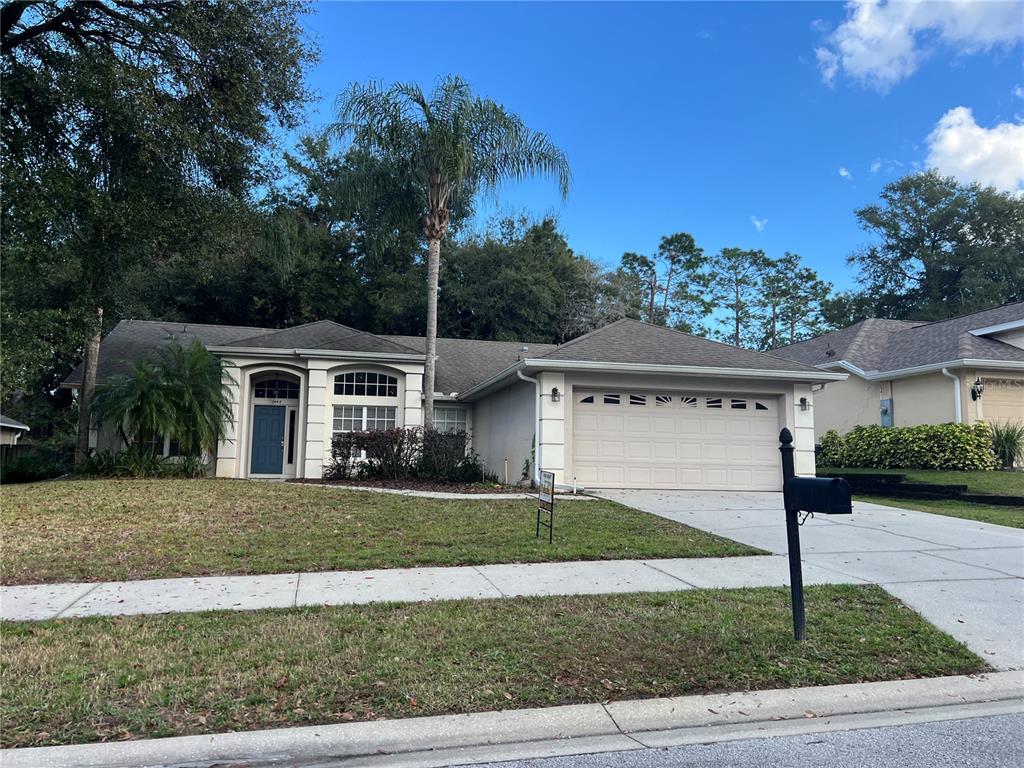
{"x": 714, "y": 402}
{"x": 360, "y": 418}
{"x": 760, "y": 406}
{"x": 611, "y": 399}
{"x": 276, "y": 389}
{"x": 450, "y": 419}
{"x": 688, "y": 401}
{"x": 663, "y": 400}
{"x": 638, "y": 399}
{"x": 738, "y": 405}
{"x": 587, "y": 400}
{"x": 365, "y": 384}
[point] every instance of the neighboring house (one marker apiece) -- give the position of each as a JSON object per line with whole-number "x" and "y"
{"x": 965, "y": 369}
{"x": 628, "y": 405}
{"x": 11, "y": 430}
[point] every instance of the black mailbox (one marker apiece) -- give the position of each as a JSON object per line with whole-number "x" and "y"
{"x": 828, "y": 495}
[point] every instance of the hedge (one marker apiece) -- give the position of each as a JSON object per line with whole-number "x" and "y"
{"x": 928, "y": 446}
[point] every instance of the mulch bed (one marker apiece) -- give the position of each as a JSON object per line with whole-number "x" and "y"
{"x": 420, "y": 485}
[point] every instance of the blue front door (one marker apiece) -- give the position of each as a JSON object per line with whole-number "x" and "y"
{"x": 267, "y": 440}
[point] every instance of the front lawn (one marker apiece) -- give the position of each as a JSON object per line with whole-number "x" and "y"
{"x": 106, "y": 678}
{"x": 112, "y": 530}
{"x": 985, "y": 513}
{"x": 995, "y": 482}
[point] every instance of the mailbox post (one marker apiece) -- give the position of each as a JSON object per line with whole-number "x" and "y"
{"x": 828, "y": 495}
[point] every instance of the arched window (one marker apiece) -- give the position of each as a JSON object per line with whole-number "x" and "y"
{"x": 276, "y": 389}
{"x": 365, "y": 384}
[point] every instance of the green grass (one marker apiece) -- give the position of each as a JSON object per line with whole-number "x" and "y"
{"x": 995, "y": 482}
{"x": 89, "y": 530}
{"x": 84, "y": 680}
{"x": 985, "y": 513}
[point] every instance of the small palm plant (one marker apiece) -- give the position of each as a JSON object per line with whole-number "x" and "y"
{"x": 1008, "y": 442}
{"x": 183, "y": 393}
{"x": 450, "y": 146}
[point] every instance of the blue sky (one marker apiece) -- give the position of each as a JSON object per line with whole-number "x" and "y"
{"x": 699, "y": 117}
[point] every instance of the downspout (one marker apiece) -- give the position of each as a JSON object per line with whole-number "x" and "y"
{"x": 536, "y": 424}
{"x": 956, "y": 395}
{"x": 536, "y": 432}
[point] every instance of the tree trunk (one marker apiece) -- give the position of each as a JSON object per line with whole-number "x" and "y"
{"x": 433, "y": 270}
{"x": 90, "y": 363}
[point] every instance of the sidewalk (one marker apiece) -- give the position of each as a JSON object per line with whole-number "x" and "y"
{"x": 287, "y": 590}
{"x": 566, "y": 730}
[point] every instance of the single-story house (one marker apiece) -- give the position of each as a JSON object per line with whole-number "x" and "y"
{"x": 902, "y": 373}
{"x": 11, "y": 430}
{"x": 628, "y": 405}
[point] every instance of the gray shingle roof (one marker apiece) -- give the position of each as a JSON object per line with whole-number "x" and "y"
{"x": 324, "y": 334}
{"x": 889, "y": 345}
{"x": 10, "y": 423}
{"x": 463, "y": 363}
{"x": 133, "y": 340}
{"x": 630, "y": 341}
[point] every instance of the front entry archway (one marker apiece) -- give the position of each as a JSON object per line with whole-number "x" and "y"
{"x": 274, "y": 425}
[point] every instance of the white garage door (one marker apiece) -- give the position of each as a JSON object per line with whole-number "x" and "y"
{"x": 703, "y": 440}
{"x": 1003, "y": 400}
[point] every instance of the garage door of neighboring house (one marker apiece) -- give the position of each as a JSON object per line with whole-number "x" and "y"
{"x": 1003, "y": 400}
{"x": 702, "y": 440}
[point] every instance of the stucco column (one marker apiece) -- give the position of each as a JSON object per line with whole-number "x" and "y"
{"x": 551, "y": 440}
{"x": 227, "y": 446}
{"x": 413, "y": 406}
{"x": 318, "y": 432}
{"x": 803, "y": 430}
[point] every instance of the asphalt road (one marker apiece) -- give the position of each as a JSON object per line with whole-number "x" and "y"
{"x": 986, "y": 742}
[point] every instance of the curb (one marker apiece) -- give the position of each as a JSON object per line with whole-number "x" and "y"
{"x": 564, "y": 730}
{"x": 581, "y": 496}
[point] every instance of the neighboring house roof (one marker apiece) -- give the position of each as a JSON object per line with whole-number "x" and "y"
{"x": 324, "y": 334}
{"x": 878, "y": 346}
{"x": 9, "y": 423}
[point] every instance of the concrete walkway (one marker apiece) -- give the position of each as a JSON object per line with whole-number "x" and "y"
{"x": 965, "y": 577}
{"x": 244, "y": 593}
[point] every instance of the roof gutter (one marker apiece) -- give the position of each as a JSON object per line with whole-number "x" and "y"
{"x": 990, "y": 329}
{"x": 672, "y": 370}
{"x": 902, "y": 373}
{"x": 329, "y": 354}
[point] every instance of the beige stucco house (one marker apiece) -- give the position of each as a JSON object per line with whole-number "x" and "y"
{"x": 903, "y": 373}
{"x": 628, "y": 405}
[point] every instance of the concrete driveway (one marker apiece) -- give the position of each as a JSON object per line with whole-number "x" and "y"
{"x": 965, "y": 577}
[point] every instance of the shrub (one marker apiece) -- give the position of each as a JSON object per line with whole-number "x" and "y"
{"x": 343, "y": 448}
{"x": 442, "y": 453}
{"x": 135, "y": 462}
{"x": 390, "y": 453}
{"x": 928, "y": 446}
{"x": 1008, "y": 442}
{"x": 33, "y": 466}
{"x": 831, "y": 452}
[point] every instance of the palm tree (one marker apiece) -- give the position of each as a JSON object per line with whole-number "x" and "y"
{"x": 198, "y": 390}
{"x": 137, "y": 402}
{"x": 182, "y": 394}
{"x": 452, "y": 146}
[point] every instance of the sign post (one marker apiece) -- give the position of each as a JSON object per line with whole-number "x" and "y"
{"x": 546, "y": 504}
{"x": 830, "y": 496}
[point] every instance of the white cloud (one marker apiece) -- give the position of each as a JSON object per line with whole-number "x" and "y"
{"x": 961, "y": 148}
{"x": 880, "y": 44}
{"x": 876, "y": 166}
{"x": 1018, "y": 91}
{"x": 759, "y": 224}
{"x": 845, "y": 173}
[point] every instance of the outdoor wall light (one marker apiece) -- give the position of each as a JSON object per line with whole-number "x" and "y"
{"x": 556, "y": 396}
{"x": 805, "y": 404}
{"x": 976, "y": 389}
